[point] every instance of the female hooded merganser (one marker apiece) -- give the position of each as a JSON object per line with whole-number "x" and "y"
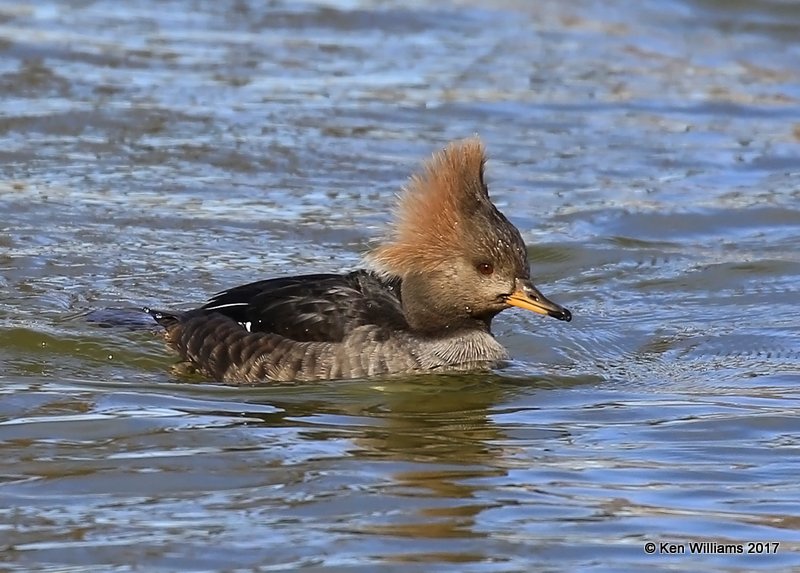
{"x": 452, "y": 262}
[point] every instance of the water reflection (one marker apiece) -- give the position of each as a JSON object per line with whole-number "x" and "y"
{"x": 433, "y": 440}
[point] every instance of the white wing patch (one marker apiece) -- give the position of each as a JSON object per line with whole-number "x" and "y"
{"x": 215, "y": 307}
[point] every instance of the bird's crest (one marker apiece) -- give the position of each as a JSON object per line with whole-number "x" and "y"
{"x": 433, "y": 212}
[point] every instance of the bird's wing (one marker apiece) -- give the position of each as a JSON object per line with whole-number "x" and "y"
{"x": 321, "y": 307}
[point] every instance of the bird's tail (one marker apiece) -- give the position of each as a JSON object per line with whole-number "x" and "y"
{"x": 164, "y": 318}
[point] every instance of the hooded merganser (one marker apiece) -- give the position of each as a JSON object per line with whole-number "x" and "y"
{"x": 451, "y": 263}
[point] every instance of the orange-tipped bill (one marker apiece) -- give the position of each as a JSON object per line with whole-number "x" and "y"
{"x": 528, "y": 297}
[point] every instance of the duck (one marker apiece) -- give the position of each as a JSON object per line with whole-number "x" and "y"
{"x": 424, "y": 301}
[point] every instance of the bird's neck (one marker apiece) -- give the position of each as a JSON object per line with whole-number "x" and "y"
{"x": 434, "y": 311}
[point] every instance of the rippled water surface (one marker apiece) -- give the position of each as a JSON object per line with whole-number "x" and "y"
{"x": 157, "y": 152}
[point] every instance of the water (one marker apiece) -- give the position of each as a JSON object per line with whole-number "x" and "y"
{"x": 156, "y": 152}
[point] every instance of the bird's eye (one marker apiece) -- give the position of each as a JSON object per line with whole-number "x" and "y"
{"x": 485, "y": 268}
